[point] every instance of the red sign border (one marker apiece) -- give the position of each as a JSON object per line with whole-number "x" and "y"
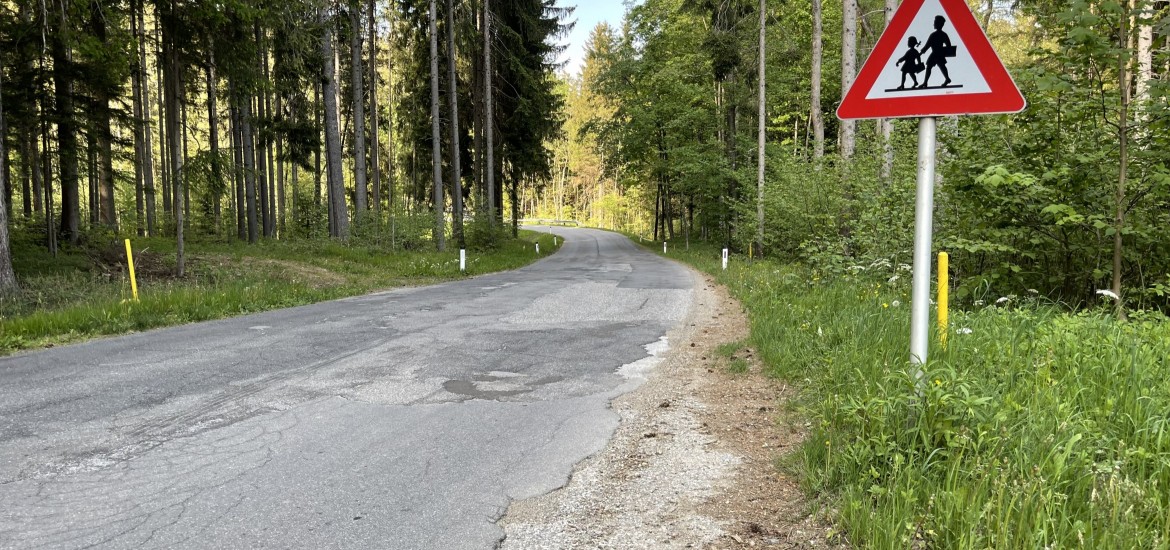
{"x": 1004, "y": 96}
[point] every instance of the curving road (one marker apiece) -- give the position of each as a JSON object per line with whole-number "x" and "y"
{"x": 403, "y": 419}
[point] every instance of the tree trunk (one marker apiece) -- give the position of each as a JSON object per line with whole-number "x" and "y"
{"x": 184, "y": 131}
{"x": 375, "y": 167}
{"x": 1123, "y": 73}
{"x": 103, "y": 135}
{"x": 453, "y": 100}
{"x": 139, "y": 134}
{"x": 148, "y": 188}
{"x": 247, "y": 139}
{"x": 762, "y": 124}
{"x": 280, "y": 183}
{"x": 66, "y": 129}
{"x": 213, "y": 137}
{"x": 361, "y": 191}
{"x": 260, "y": 134}
{"x": 163, "y": 128}
{"x": 7, "y": 277}
{"x": 488, "y": 114}
{"x": 317, "y": 116}
{"x": 338, "y": 213}
{"x": 887, "y": 124}
{"x": 171, "y": 75}
{"x": 848, "y": 71}
{"x": 436, "y": 154}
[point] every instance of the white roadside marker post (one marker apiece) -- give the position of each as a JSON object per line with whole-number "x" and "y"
{"x": 664, "y": 247}
{"x": 462, "y": 259}
{"x": 724, "y": 259}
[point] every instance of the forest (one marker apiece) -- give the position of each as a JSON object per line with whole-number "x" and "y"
{"x": 260, "y": 120}
{"x": 1065, "y": 199}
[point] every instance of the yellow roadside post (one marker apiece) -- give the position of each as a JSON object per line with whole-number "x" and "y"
{"x": 130, "y": 262}
{"x": 944, "y": 291}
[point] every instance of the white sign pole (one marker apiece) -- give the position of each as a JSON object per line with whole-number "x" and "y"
{"x": 923, "y": 226}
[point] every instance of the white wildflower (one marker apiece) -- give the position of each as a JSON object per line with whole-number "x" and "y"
{"x": 855, "y": 268}
{"x": 978, "y": 303}
{"x": 1006, "y": 299}
{"x": 1107, "y": 293}
{"x": 964, "y": 330}
{"x": 1033, "y": 291}
{"x": 895, "y": 303}
{"x": 905, "y": 267}
{"x": 820, "y": 332}
{"x": 893, "y": 279}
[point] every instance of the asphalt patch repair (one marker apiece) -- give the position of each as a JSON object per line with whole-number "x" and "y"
{"x": 694, "y": 461}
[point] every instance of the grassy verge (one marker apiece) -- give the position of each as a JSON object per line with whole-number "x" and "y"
{"x": 85, "y": 292}
{"x": 1034, "y": 428}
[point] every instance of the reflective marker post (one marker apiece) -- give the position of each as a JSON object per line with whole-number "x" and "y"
{"x": 725, "y": 259}
{"x": 923, "y": 227}
{"x": 462, "y": 259}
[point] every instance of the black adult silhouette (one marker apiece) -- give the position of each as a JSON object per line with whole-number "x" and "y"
{"x": 939, "y": 44}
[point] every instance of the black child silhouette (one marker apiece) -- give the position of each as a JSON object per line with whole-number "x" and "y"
{"x": 940, "y": 48}
{"x": 911, "y": 63}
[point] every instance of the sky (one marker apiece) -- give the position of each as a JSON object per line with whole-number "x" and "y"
{"x": 587, "y": 15}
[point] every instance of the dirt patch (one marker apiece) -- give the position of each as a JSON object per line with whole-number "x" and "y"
{"x": 316, "y": 277}
{"x": 693, "y": 462}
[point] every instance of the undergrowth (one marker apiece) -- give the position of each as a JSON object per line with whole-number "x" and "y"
{"x": 1035, "y": 427}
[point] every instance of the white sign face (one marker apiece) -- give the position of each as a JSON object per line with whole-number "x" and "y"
{"x": 931, "y": 60}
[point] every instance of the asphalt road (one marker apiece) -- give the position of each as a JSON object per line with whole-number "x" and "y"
{"x": 403, "y": 419}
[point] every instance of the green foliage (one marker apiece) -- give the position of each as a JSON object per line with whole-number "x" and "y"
{"x": 1032, "y": 428}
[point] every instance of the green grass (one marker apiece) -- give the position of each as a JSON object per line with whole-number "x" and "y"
{"x": 1034, "y": 428}
{"x": 85, "y": 291}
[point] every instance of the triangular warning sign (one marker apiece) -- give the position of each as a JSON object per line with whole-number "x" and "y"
{"x": 932, "y": 60}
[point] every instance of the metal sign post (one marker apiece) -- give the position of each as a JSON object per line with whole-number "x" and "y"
{"x": 962, "y": 75}
{"x": 923, "y": 232}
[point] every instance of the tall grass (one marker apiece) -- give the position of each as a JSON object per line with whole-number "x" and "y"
{"x": 1034, "y": 427}
{"x": 92, "y": 296}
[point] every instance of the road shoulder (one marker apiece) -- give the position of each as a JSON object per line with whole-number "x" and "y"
{"x": 693, "y": 461}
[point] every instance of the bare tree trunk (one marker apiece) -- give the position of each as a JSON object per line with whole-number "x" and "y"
{"x": 1123, "y": 73}
{"x": 375, "y": 167}
{"x": 338, "y": 213}
{"x": 848, "y": 71}
{"x": 763, "y": 126}
{"x": 489, "y": 140}
{"x": 261, "y": 136}
{"x": 1145, "y": 50}
{"x": 453, "y": 99}
{"x": 139, "y": 134}
{"x": 269, "y": 155}
{"x": 163, "y": 128}
{"x": 174, "y": 139}
{"x": 887, "y": 124}
{"x": 280, "y": 183}
{"x": 249, "y": 153}
{"x": 317, "y": 115}
{"x": 103, "y": 136}
{"x": 66, "y": 129}
{"x": 361, "y": 192}
{"x": 148, "y": 188}
{"x": 436, "y": 154}
{"x": 213, "y": 137}
{"x": 7, "y": 277}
